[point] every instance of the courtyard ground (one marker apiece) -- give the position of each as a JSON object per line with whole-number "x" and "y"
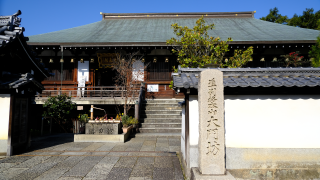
{"x": 58, "y": 157}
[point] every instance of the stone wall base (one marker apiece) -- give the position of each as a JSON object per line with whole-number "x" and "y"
{"x": 196, "y": 175}
{"x": 101, "y": 138}
{"x": 309, "y": 172}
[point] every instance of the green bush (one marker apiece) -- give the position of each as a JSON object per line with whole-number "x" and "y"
{"x": 125, "y": 120}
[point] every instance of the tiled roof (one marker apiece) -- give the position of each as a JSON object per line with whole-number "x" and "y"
{"x": 9, "y": 28}
{"x": 12, "y": 37}
{"x": 25, "y": 79}
{"x": 156, "y": 30}
{"x": 252, "y": 77}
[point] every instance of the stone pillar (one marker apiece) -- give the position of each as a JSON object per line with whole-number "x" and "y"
{"x": 136, "y": 110}
{"x": 211, "y": 123}
{"x": 91, "y": 115}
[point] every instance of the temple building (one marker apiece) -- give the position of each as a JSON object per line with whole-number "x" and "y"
{"x": 84, "y": 54}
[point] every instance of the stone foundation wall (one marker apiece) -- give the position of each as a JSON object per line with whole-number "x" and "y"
{"x": 104, "y": 128}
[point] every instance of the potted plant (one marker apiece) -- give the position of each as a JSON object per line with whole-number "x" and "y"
{"x": 83, "y": 119}
{"x": 135, "y": 124}
{"x": 126, "y": 123}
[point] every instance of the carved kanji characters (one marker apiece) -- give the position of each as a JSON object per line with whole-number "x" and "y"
{"x": 212, "y": 83}
{"x": 212, "y": 148}
{"x": 214, "y": 132}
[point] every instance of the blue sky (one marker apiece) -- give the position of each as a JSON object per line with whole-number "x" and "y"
{"x": 43, "y": 16}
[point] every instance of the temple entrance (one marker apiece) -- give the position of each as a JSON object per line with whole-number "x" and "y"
{"x": 105, "y": 77}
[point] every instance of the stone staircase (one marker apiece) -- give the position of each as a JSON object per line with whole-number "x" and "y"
{"x": 161, "y": 116}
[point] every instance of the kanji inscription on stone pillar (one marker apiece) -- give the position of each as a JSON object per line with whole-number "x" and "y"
{"x": 211, "y": 123}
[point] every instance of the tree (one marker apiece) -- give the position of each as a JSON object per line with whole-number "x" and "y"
{"x": 308, "y": 19}
{"x": 195, "y": 48}
{"x": 315, "y": 53}
{"x": 274, "y": 16}
{"x": 59, "y": 108}
{"x": 130, "y": 72}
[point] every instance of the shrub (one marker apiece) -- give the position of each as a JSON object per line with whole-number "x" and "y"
{"x": 125, "y": 120}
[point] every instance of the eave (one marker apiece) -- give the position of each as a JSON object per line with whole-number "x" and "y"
{"x": 146, "y": 44}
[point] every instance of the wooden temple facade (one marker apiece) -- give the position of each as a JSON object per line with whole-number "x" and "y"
{"x": 83, "y": 53}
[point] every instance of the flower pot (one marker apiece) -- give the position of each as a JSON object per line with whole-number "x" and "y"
{"x": 126, "y": 129}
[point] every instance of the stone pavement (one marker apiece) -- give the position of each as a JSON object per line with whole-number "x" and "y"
{"x": 58, "y": 157}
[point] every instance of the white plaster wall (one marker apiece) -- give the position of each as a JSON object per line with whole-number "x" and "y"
{"x": 183, "y": 149}
{"x": 4, "y": 123}
{"x": 193, "y": 130}
{"x": 277, "y": 121}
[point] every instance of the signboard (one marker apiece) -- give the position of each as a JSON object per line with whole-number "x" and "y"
{"x": 106, "y": 59}
{"x": 153, "y": 88}
{"x": 79, "y": 107}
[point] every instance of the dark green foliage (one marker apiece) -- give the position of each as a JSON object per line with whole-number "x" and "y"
{"x": 59, "y": 108}
{"x": 125, "y": 120}
{"x": 308, "y": 19}
{"x": 315, "y": 53}
{"x": 274, "y": 16}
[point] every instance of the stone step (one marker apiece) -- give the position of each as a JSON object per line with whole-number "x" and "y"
{"x": 175, "y": 107}
{"x": 153, "y": 125}
{"x": 161, "y": 120}
{"x": 160, "y": 130}
{"x": 175, "y": 112}
{"x": 160, "y": 104}
{"x": 163, "y": 135}
{"x": 150, "y": 101}
{"x": 161, "y": 116}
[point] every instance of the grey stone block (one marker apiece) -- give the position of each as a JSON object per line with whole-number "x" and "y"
{"x": 118, "y": 154}
{"x": 100, "y": 171}
{"x": 142, "y": 171}
{"x": 148, "y": 148}
{"x": 119, "y": 173}
{"x": 160, "y": 148}
{"x": 5, "y": 166}
{"x": 35, "y": 171}
{"x": 145, "y": 161}
{"x": 93, "y": 146}
{"x": 127, "y": 162}
{"x": 211, "y": 122}
{"x": 32, "y": 162}
{"x": 163, "y": 173}
{"x": 15, "y": 159}
{"x": 82, "y": 168}
{"x": 11, "y": 172}
{"x": 70, "y": 162}
{"x": 72, "y": 153}
{"x": 163, "y": 162}
{"x": 97, "y": 153}
{"x": 174, "y": 148}
{"x": 70, "y": 178}
{"x": 196, "y": 175}
{"x": 106, "y": 147}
